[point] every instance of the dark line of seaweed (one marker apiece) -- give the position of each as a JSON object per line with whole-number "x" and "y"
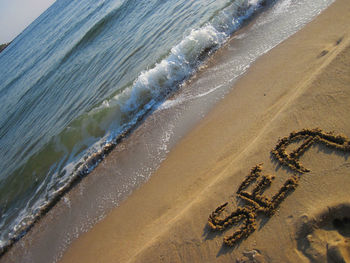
{"x": 81, "y": 170}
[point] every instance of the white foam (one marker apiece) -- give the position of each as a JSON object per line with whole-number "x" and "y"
{"x": 154, "y": 84}
{"x": 182, "y": 99}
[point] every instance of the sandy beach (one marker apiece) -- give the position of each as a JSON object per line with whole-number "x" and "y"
{"x": 302, "y": 83}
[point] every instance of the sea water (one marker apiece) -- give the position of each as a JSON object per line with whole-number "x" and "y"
{"x": 87, "y": 72}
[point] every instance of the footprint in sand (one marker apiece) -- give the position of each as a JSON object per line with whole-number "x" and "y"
{"x": 326, "y": 51}
{"x": 253, "y": 256}
{"x": 326, "y": 238}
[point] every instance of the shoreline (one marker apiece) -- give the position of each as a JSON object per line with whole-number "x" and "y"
{"x": 35, "y": 241}
{"x": 80, "y": 170}
{"x": 4, "y": 46}
{"x": 165, "y": 219}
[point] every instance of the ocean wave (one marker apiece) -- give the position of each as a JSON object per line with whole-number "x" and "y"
{"x": 155, "y": 84}
{"x": 98, "y": 27}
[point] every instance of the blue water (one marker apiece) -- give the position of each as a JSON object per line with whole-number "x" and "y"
{"x": 84, "y": 73}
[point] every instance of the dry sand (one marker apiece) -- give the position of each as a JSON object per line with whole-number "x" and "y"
{"x": 302, "y": 83}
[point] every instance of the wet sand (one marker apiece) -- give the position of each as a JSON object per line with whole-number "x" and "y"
{"x": 302, "y": 83}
